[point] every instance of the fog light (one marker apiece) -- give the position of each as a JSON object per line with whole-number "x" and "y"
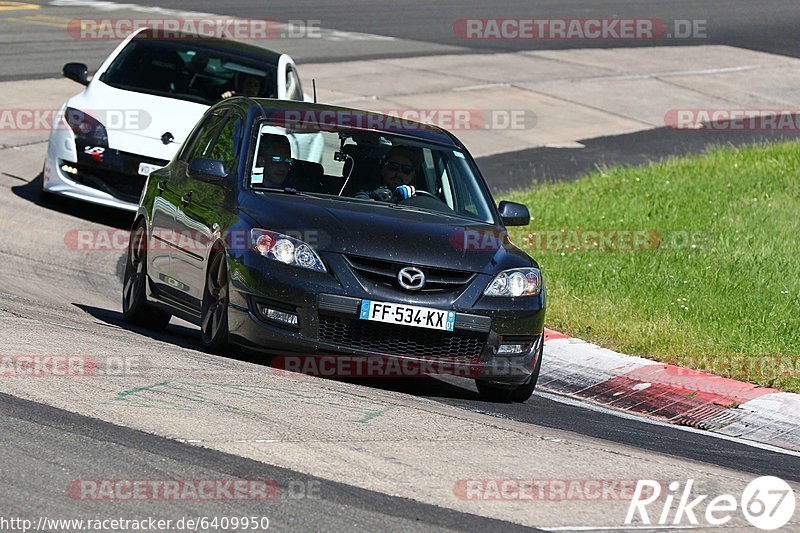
{"x": 69, "y": 170}
{"x": 512, "y": 349}
{"x": 277, "y": 316}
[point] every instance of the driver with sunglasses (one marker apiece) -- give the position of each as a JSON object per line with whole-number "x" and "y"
{"x": 397, "y": 176}
{"x": 275, "y": 156}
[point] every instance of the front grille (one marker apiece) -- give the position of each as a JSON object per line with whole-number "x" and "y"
{"x": 122, "y": 186}
{"x": 394, "y": 339}
{"x": 385, "y": 273}
{"x": 117, "y": 174}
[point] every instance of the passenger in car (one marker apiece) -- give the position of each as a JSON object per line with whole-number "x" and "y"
{"x": 247, "y": 85}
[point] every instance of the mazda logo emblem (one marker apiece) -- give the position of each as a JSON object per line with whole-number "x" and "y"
{"x": 411, "y": 278}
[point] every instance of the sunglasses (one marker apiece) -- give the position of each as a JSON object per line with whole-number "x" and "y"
{"x": 397, "y": 167}
{"x": 279, "y": 159}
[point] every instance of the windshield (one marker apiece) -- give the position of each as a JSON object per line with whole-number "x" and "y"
{"x": 195, "y": 73}
{"x": 367, "y": 166}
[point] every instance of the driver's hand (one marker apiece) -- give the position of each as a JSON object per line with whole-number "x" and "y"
{"x": 382, "y": 194}
{"x": 403, "y": 192}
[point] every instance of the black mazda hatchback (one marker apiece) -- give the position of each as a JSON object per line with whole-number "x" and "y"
{"x": 303, "y": 229}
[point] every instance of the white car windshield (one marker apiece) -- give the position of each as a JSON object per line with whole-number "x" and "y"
{"x": 186, "y": 70}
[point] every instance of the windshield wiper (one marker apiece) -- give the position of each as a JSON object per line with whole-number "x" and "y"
{"x": 286, "y": 190}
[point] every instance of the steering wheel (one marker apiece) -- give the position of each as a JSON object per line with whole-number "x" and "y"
{"x": 425, "y": 193}
{"x": 423, "y": 199}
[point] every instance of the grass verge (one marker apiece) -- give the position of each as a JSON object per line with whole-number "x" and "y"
{"x": 692, "y": 261}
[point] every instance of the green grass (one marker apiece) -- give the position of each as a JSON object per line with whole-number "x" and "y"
{"x": 729, "y": 305}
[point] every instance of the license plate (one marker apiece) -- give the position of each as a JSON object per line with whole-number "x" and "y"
{"x": 407, "y": 315}
{"x": 146, "y": 168}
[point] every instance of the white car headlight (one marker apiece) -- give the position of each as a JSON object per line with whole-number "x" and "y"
{"x": 288, "y": 250}
{"x": 516, "y": 282}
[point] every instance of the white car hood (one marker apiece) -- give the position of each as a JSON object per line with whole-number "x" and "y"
{"x": 135, "y": 122}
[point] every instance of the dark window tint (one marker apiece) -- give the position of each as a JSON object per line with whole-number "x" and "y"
{"x": 206, "y": 136}
{"x": 190, "y": 72}
{"x": 226, "y": 144}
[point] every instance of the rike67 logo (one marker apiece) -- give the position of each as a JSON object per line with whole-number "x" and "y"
{"x": 767, "y": 503}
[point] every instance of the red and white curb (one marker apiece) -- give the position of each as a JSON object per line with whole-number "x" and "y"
{"x": 582, "y": 370}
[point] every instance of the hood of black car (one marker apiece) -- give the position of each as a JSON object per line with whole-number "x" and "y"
{"x": 382, "y": 231}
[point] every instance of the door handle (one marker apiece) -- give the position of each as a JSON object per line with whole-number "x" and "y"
{"x": 186, "y": 198}
{"x": 162, "y": 186}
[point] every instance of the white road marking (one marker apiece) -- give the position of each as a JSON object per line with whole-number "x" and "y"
{"x": 565, "y": 144}
{"x": 480, "y": 87}
{"x": 339, "y": 35}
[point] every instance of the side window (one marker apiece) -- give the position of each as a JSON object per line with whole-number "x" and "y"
{"x": 447, "y": 190}
{"x": 442, "y": 184}
{"x": 219, "y": 138}
{"x": 469, "y": 198}
{"x": 227, "y": 143}
{"x": 294, "y": 91}
{"x": 202, "y": 138}
{"x": 207, "y": 139}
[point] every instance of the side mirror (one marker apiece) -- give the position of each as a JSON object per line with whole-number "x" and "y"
{"x": 76, "y": 72}
{"x": 208, "y": 170}
{"x": 514, "y": 214}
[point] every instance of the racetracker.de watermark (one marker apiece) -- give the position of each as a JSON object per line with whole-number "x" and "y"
{"x": 117, "y": 240}
{"x": 582, "y": 240}
{"x": 733, "y": 119}
{"x": 552, "y": 490}
{"x": 579, "y": 29}
{"x": 750, "y": 367}
{"x": 239, "y": 29}
{"x": 63, "y": 366}
{"x": 396, "y": 119}
{"x": 29, "y": 119}
{"x": 199, "y": 490}
{"x": 411, "y": 366}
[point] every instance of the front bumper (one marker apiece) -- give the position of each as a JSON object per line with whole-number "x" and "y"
{"x": 113, "y": 182}
{"x": 327, "y": 304}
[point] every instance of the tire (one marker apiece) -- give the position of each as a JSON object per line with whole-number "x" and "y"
{"x": 519, "y": 394}
{"x": 214, "y": 323}
{"x": 135, "y": 309}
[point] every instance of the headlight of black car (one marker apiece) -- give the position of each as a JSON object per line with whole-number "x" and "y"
{"x": 516, "y": 282}
{"x": 288, "y": 250}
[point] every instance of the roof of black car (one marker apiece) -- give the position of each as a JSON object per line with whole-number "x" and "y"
{"x": 237, "y": 48}
{"x": 298, "y": 113}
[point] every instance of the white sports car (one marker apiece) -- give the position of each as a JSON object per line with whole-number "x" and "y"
{"x": 143, "y": 102}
